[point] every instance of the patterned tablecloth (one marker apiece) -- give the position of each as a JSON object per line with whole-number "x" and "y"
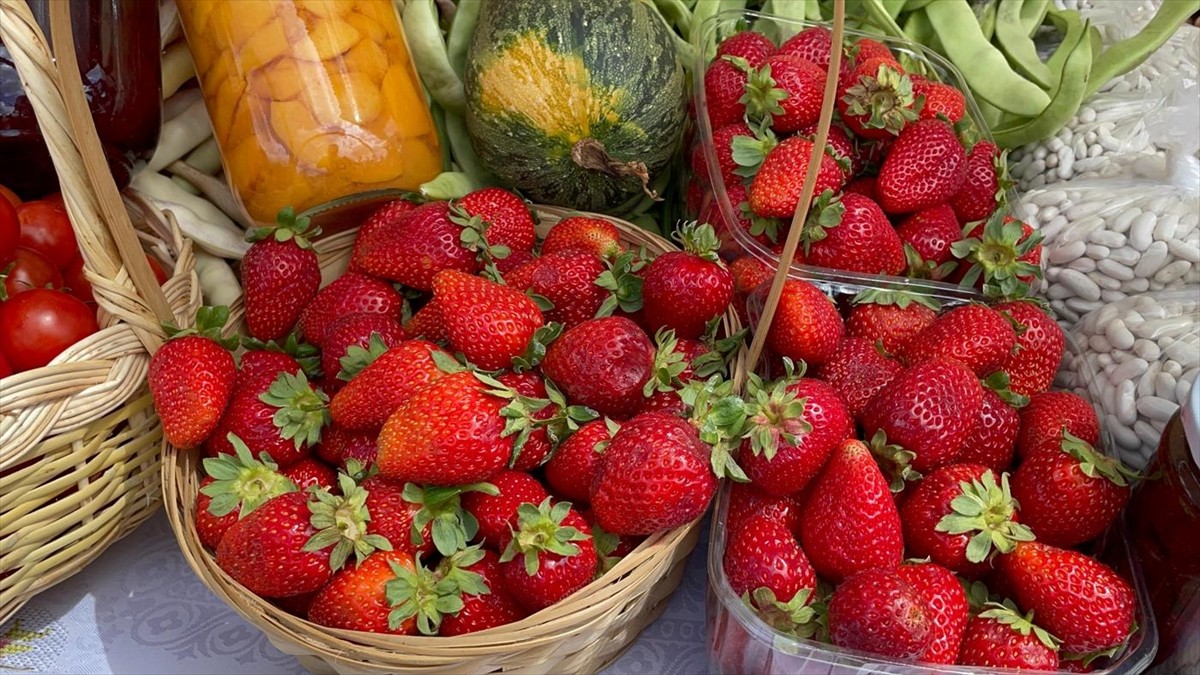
{"x": 140, "y": 609}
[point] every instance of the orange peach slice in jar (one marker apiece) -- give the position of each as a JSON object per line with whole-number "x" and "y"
{"x": 367, "y": 58}
{"x": 263, "y": 47}
{"x": 367, "y": 23}
{"x": 404, "y": 102}
{"x": 249, "y": 18}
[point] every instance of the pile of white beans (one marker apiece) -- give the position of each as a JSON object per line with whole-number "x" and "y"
{"x": 1145, "y": 354}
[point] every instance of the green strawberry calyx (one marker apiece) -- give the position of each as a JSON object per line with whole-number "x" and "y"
{"x": 341, "y": 522}
{"x": 985, "y": 510}
{"x": 288, "y": 227}
{"x": 886, "y": 100}
{"x": 920, "y": 268}
{"x": 1006, "y": 613}
{"x": 540, "y": 530}
{"x": 307, "y": 355}
{"x": 700, "y": 239}
{"x": 721, "y": 351}
{"x": 606, "y": 543}
{"x": 1085, "y": 659}
{"x": 668, "y": 364}
{"x": 302, "y": 410}
{"x": 802, "y": 616}
{"x": 566, "y": 419}
{"x": 1095, "y": 465}
{"x": 894, "y": 461}
{"x": 771, "y": 228}
{"x": 474, "y": 238}
{"x": 420, "y": 592}
{"x": 623, "y": 284}
{"x": 826, "y": 213}
{"x": 762, "y": 97}
{"x": 999, "y": 383}
{"x": 995, "y": 256}
{"x": 535, "y": 351}
{"x": 242, "y": 483}
{"x": 894, "y": 296}
{"x": 451, "y": 527}
{"x": 210, "y": 323}
{"x": 748, "y": 152}
{"x": 719, "y": 416}
{"x": 358, "y": 358}
{"x": 774, "y": 413}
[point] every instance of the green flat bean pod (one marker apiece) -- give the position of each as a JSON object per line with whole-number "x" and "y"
{"x": 987, "y": 19}
{"x": 918, "y": 29}
{"x": 1125, "y": 55}
{"x": 1033, "y": 14}
{"x": 1070, "y": 94}
{"x": 428, "y": 49}
{"x": 1018, "y": 46}
{"x": 1073, "y": 29}
{"x": 461, "y": 30}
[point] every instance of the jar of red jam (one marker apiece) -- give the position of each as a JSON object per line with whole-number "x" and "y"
{"x": 1164, "y": 516}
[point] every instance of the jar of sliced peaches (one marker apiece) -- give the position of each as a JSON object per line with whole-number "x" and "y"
{"x": 311, "y": 100}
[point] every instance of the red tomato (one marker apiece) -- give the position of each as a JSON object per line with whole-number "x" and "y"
{"x": 46, "y": 229}
{"x": 5, "y": 369}
{"x": 10, "y": 196}
{"x": 76, "y": 283}
{"x": 159, "y": 273}
{"x": 10, "y": 232}
{"x": 38, "y": 325}
{"x": 30, "y": 271}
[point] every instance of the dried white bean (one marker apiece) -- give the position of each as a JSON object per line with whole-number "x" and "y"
{"x": 1123, "y": 435}
{"x": 1182, "y": 387}
{"x": 1124, "y": 221}
{"x": 1067, "y": 253}
{"x": 1171, "y": 367}
{"x": 1078, "y": 282}
{"x": 1164, "y": 384}
{"x": 1156, "y": 408}
{"x": 1145, "y": 432}
{"x": 1126, "y": 255}
{"x": 1134, "y": 367}
{"x": 1097, "y": 252}
{"x": 1112, "y": 296}
{"x": 1172, "y": 271}
{"x": 1105, "y": 283}
{"x": 1165, "y": 229}
{"x": 1114, "y": 270}
{"x": 1083, "y": 265}
{"x": 1099, "y": 343}
{"x": 1147, "y": 349}
{"x": 1141, "y": 232}
{"x": 1145, "y": 386}
{"x": 1182, "y": 249}
{"x": 1118, "y": 335}
{"x": 1154, "y": 257}
{"x": 1107, "y": 238}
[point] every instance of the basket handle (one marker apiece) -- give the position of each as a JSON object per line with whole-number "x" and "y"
{"x": 806, "y": 195}
{"x": 102, "y": 227}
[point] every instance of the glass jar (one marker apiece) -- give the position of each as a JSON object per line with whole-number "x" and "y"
{"x": 1164, "y": 516}
{"x": 311, "y": 100}
{"x": 117, "y": 45}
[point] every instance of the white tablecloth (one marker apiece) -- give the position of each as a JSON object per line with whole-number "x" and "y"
{"x": 140, "y": 609}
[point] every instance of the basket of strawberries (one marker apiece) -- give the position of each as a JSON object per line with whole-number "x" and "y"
{"x": 500, "y": 467}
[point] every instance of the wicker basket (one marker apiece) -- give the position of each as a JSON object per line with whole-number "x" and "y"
{"x": 79, "y": 440}
{"x": 581, "y": 634}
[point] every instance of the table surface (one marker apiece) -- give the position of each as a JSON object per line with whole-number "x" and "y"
{"x": 139, "y": 608}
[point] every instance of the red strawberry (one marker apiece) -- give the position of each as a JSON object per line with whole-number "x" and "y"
{"x": 723, "y": 145}
{"x": 308, "y": 472}
{"x": 926, "y": 166}
{"x": 877, "y": 101}
{"x": 356, "y": 598}
{"x": 928, "y": 235}
{"x": 746, "y": 501}
{"x": 999, "y": 637}
{"x": 427, "y": 323}
{"x": 840, "y": 147}
{"x": 348, "y": 294}
{"x": 958, "y": 514}
{"x": 393, "y": 515}
{"x": 1040, "y": 344}
{"x": 890, "y": 317}
{"x": 387, "y": 378}
{"x": 1077, "y": 599}
{"x": 1002, "y": 257}
{"x": 339, "y": 444}
{"x": 852, "y": 233}
{"x": 938, "y": 99}
{"x": 514, "y": 260}
{"x": 928, "y": 410}
{"x": 610, "y": 548}
{"x": 282, "y": 417}
{"x": 1048, "y": 414}
{"x": 858, "y": 371}
{"x": 684, "y": 290}
{"x": 983, "y": 190}
{"x": 568, "y": 280}
{"x": 807, "y": 326}
{"x": 489, "y": 323}
{"x": 537, "y": 446}
{"x": 724, "y": 86}
{"x": 550, "y": 555}
{"x": 493, "y": 606}
{"x": 812, "y": 44}
{"x": 449, "y": 433}
{"x": 750, "y": 45}
{"x": 504, "y": 216}
{"x": 766, "y": 567}
{"x": 573, "y": 466}
{"x": 356, "y": 330}
{"x": 191, "y": 378}
{"x": 793, "y": 426}
{"x": 878, "y": 612}
{"x": 384, "y": 218}
{"x": 775, "y": 191}
{"x": 496, "y": 512}
{"x": 1071, "y": 493}
{"x": 851, "y": 492}
{"x": 945, "y": 602}
{"x": 976, "y": 335}
{"x": 603, "y": 364}
{"x": 863, "y": 185}
{"x": 417, "y": 247}
{"x": 260, "y": 367}
{"x": 596, "y": 235}
{"x": 786, "y": 89}
{"x": 280, "y": 275}
{"x": 994, "y": 437}
{"x": 654, "y": 476}
{"x": 235, "y": 486}
{"x": 749, "y": 273}
{"x": 866, "y": 49}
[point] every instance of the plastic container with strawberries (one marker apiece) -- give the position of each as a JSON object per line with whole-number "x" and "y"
{"x": 752, "y": 634}
{"x": 910, "y": 166}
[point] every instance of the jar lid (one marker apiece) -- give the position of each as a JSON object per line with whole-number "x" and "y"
{"x": 1190, "y": 416}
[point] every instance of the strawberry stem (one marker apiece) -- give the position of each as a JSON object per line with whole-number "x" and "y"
{"x": 540, "y": 530}
{"x": 452, "y": 526}
{"x": 341, "y": 522}
{"x": 302, "y": 410}
{"x": 241, "y": 482}
{"x": 986, "y": 509}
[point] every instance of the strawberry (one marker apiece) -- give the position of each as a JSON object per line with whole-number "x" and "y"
{"x": 597, "y": 235}
{"x": 427, "y": 323}
{"x": 878, "y": 99}
{"x": 792, "y": 428}
{"x": 934, "y": 100}
{"x": 812, "y": 44}
{"x": 765, "y": 567}
{"x": 356, "y": 330}
{"x": 489, "y": 323}
{"x": 537, "y": 445}
{"x": 1077, "y": 599}
{"x": 994, "y": 437}
{"x": 499, "y": 216}
{"x": 858, "y": 371}
{"x": 958, "y": 514}
{"x": 850, "y": 492}
{"x": 976, "y": 335}
{"x": 925, "y": 167}
{"x": 356, "y": 598}
{"x": 746, "y": 501}
{"x": 549, "y": 556}
{"x": 309, "y": 471}
{"x": 723, "y": 146}
{"x": 863, "y": 185}
{"x": 283, "y": 417}
{"x": 928, "y": 235}
{"x": 852, "y": 233}
{"x": 654, "y": 476}
{"x": 1002, "y": 257}
{"x": 573, "y": 466}
{"x": 840, "y": 147}
{"x": 748, "y": 274}
{"x": 775, "y": 191}
{"x": 235, "y": 486}
{"x": 786, "y": 89}
{"x": 610, "y": 548}
{"x": 878, "y": 612}
{"x": 258, "y": 368}
{"x": 568, "y": 280}
{"x": 1048, "y": 414}
{"x": 983, "y": 190}
{"x": 865, "y": 49}
{"x": 750, "y": 45}
{"x": 999, "y": 637}
{"x": 393, "y": 515}
{"x": 339, "y": 444}
{"x": 451, "y": 432}
{"x": 514, "y": 260}
{"x": 807, "y": 325}
{"x": 684, "y": 290}
{"x": 945, "y": 602}
{"x": 382, "y": 379}
{"x": 1072, "y": 493}
{"x": 603, "y": 364}
{"x": 1040, "y": 344}
{"x": 928, "y": 411}
{"x": 496, "y": 511}
{"x": 385, "y": 217}
{"x": 490, "y": 606}
{"x": 417, "y": 247}
{"x": 724, "y": 86}
{"x": 280, "y": 275}
{"x": 348, "y": 294}
{"x": 891, "y": 318}
{"x": 191, "y": 378}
